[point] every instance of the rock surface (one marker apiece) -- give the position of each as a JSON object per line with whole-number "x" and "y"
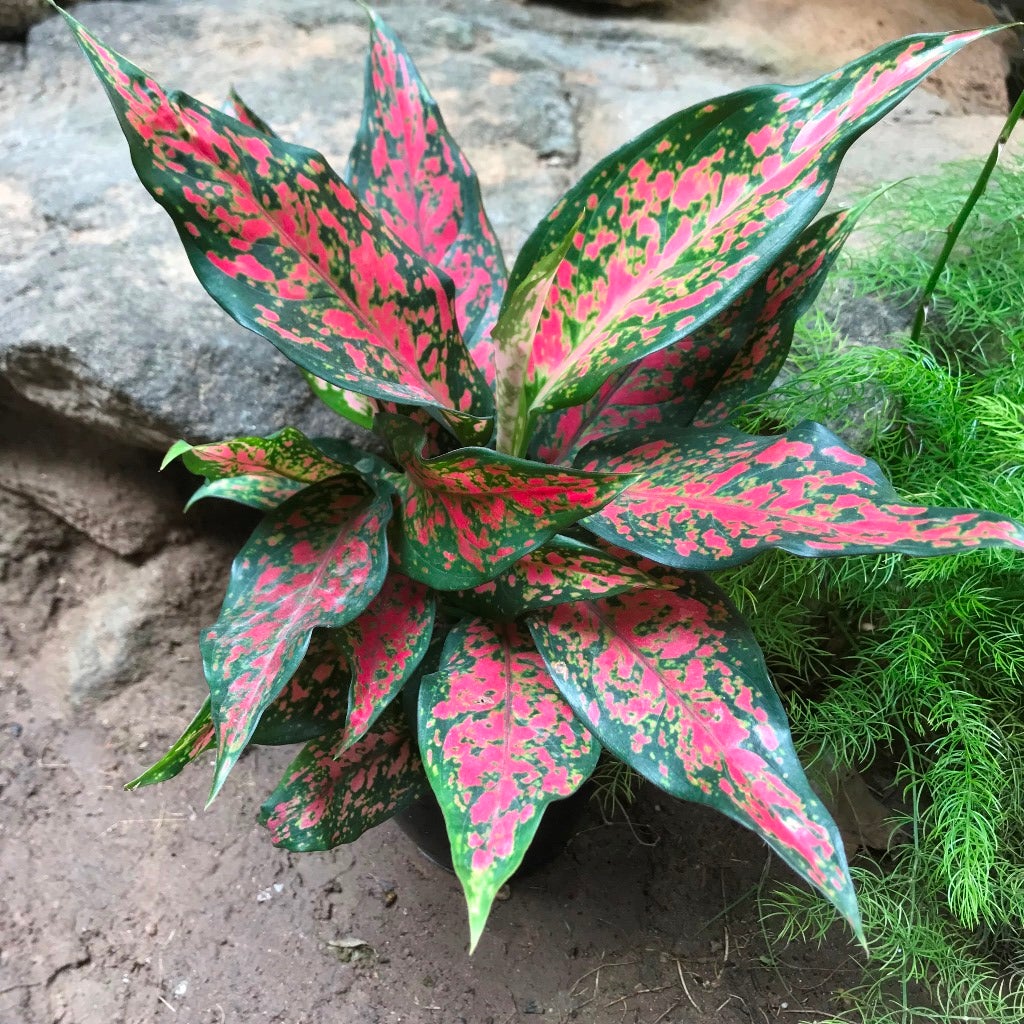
{"x": 104, "y": 322}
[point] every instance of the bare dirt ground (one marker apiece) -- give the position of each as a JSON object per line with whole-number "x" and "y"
{"x": 120, "y": 908}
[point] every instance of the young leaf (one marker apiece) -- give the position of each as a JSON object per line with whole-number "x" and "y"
{"x": 675, "y": 685}
{"x": 499, "y": 743}
{"x": 728, "y": 360}
{"x": 356, "y": 408}
{"x": 679, "y": 222}
{"x": 468, "y": 515}
{"x": 513, "y": 338}
{"x": 259, "y": 471}
{"x": 198, "y": 737}
{"x": 563, "y": 570}
{"x": 330, "y": 795}
{"x": 712, "y": 498}
{"x": 383, "y": 647}
{"x": 317, "y": 560}
{"x": 407, "y": 168}
{"x": 288, "y": 250}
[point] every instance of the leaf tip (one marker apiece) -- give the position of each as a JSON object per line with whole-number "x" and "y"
{"x": 220, "y": 776}
{"x": 174, "y": 452}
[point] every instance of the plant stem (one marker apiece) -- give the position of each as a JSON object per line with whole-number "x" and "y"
{"x": 954, "y": 229}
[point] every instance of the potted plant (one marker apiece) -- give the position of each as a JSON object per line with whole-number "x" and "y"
{"x": 524, "y": 562}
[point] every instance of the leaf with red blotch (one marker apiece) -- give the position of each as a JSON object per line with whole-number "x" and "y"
{"x": 674, "y": 684}
{"x": 279, "y": 240}
{"x": 241, "y": 110}
{"x": 680, "y": 221}
{"x": 563, "y": 570}
{"x": 330, "y": 795}
{"x": 258, "y": 471}
{"x": 317, "y": 560}
{"x": 499, "y": 743}
{"x": 411, "y": 173}
{"x": 384, "y": 646}
{"x": 198, "y": 737}
{"x": 354, "y": 407}
{"x": 513, "y": 338}
{"x": 786, "y": 293}
{"x": 725, "y": 362}
{"x": 314, "y": 699}
{"x": 311, "y": 704}
{"x": 713, "y": 498}
{"x": 468, "y": 515}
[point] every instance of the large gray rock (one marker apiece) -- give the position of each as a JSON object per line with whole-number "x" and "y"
{"x": 102, "y": 318}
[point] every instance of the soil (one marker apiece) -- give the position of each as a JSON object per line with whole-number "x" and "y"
{"x": 120, "y": 908}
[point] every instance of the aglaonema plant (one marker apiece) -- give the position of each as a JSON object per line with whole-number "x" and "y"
{"x": 526, "y": 566}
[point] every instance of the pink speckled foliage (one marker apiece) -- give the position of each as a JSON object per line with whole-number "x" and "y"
{"x": 260, "y": 472}
{"x": 500, "y": 742}
{"x": 674, "y": 683}
{"x": 513, "y": 577}
{"x": 289, "y": 250}
{"x": 317, "y": 560}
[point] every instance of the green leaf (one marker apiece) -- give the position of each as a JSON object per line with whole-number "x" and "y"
{"x": 198, "y": 737}
{"x": 330, "y": 795}
{"x": 259, "y": 471}
{"x": 317, "y": 560}
{"x": 674, "y": 684}
{"x": 470, "y": 514}
{"x": 712, "y": 498}
{"x": 680, "y": 221}
{"x": 285, "y": 247}
{"x": 407, "y": 168}
{"x": 354, "y": 407}
{"x": 499, "y": 744}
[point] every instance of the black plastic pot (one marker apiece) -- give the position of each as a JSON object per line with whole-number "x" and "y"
{"x": 423, "y": 822}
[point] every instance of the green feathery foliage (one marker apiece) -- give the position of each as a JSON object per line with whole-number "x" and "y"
{"x": 918, "y": 665}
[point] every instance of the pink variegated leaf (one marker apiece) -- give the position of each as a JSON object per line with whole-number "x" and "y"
{"x": 513, "y": 339}
{"x": 353, "y": 406}
{"x": 408, "y": 169}
{"x": 331, "y": 795}
{"x": 279, "y": 240}
{"x": 499, "y": 743}
{"x": 787, "y": 290}
{"x": 311, "y": 704}
{"x": 716, "y": 497}
{"x": 317, "y": 560}
{"x": 563, "y": 570}
{"x": 468, "y": 515}
{"x": 674, "y": 684}
{"x": 679, "y": 222}
{"x": 259, "y": 471}
{"x": 199, "y": 736}
{"x": 241, "y": 110}
{"x": 314, "y": 700}
{"x": 383, "y": 647}
{"x": 728, "y": 360}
